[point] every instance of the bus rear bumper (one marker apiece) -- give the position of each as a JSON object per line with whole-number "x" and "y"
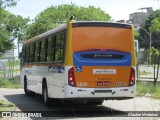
{"x": 103, "y": 93}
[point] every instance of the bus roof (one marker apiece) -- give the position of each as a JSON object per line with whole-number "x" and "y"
{"x": 79, "y": 24}
{"x": 46, "y": 34}
{"x": 101, "y": 24}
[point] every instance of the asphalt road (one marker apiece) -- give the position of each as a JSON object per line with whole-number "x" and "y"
{"x": 111, "y": 109}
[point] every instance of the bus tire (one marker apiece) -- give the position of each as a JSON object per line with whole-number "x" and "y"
{"x": 95, "y": 102}
{"x": 46, "y": 99}
{"x": 27, "y": 92}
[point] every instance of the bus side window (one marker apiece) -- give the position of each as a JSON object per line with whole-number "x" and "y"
{"x": 59, "y": 48}
{"x": 53, "y": 47}
{"x": 42, "y": 51}
{"x": 49, "y": 50}
{"x": 46, "y": 47}
{"x": 27, "y": 53}
{"x": 31, "y": 53}
{"x": 24, "y": 54}
{"x": 34, "y": 49}
{"x": 37, "y": 52}
{"x": 40, "y": 48}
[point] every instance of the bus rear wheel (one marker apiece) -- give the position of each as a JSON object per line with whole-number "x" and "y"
{"x": 27, "y": 92}
{"x": 46, "y": 99}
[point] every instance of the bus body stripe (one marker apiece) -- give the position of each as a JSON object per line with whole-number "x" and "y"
{"x": 133, "y": 49}
{"x": 69, "y": 49}
{"x": 80, "y": 61}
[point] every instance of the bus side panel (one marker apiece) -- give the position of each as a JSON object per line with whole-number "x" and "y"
{"x": 53, "y": 75}
{"x": 22, "y": 74}
{"x": 39, "y": 72}
{"x": 56, "y": 81}
{"x": 27, "y": 72}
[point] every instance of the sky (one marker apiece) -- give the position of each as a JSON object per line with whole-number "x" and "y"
{"x": 117, "y": 9}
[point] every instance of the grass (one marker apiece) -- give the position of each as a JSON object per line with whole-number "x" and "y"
{"x": 10, "y": 83}
{"x": 13, "y": 63}
{"x": 145, "y": 73}
{"x": 148, "y": 87}
{"x": 6, "y": 106}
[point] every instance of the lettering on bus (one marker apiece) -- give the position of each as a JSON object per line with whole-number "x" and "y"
{"x": 119, "y": 84}
{"x": 104, "y": 71}
{"x": 103, "y": 79}
{"x": 82, "y": 84}
{"x": 56, "y": 69}
{"x": 103, "y": 83}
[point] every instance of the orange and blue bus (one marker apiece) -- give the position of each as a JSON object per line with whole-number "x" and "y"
{"x": 90, "y": 61}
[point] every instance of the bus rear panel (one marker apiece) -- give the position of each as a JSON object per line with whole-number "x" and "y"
{"x": 103, "y": 61}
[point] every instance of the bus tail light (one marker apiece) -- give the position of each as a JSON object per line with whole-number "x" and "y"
{"x": 132, "y": 77}
{"x": 71, "y": 77}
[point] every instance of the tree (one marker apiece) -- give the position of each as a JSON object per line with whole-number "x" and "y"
{"x": 150, "y": 25}
{"x": 7, "y": 3}
{"x": 5, "y": 39}
{"x": 136, "y": 34}
{"x": 16, "y": 25}
{"x": 155, "y": 27}
{"x": 56, "y": 15}
{"x": 12, "y": 27}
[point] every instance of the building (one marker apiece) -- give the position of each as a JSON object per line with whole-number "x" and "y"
{"x": 138, "y": 18}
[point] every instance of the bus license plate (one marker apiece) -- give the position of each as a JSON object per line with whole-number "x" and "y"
{"x": 104, "y": 71}
{"x": 100, "y": 83}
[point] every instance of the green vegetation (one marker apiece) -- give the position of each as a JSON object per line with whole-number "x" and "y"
{"x": 148, "y": 87}
{"x": 6, "y": 106}
{"x": 145, "y": 73}
{"x": 10, "y": 83}
{"x": 151, "y": 24}
{"x": 54, "y": 16}
{"x": 12, "y": 27}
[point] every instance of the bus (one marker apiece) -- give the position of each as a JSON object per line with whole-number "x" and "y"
{"x": 81, "y": 60}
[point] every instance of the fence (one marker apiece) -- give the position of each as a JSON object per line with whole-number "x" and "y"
{"x": 12, "y": 66}
{"x": 148, "y": 67}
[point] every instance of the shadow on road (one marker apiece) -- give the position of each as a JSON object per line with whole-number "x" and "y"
{"x": 66, "y": 109}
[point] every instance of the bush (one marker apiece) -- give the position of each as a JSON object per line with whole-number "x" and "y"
{"x": 9, "y": 83}
{"x": 148, "y": 87}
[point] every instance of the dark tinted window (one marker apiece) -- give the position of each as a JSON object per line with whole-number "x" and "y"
{"x": 50, "y": 49}
{"x": 59, "y": 47}
{"x": 37, "y": 51}
{"x": 27, "y": 53}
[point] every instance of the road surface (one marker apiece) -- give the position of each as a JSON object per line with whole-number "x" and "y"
{"x": 77, "y": 110}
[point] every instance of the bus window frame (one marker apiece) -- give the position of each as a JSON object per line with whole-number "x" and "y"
{"x": 38, "y": 44}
